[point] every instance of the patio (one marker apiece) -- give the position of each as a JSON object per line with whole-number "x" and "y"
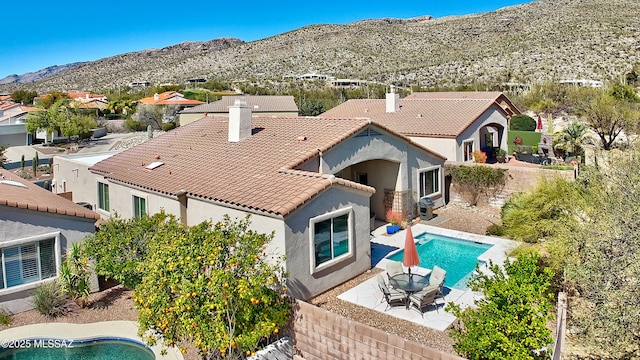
{"x": 368, "y": 295}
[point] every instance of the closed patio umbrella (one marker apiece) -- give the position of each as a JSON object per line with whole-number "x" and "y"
{"x": 539, "y": 127}
{"x": 410, "y": 257}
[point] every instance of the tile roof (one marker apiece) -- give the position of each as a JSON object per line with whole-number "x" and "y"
{"x": 445, "y": 118}
{"x": 496, "y": 96}
{"x": 257, "y": 173}
{"x": 169, "y": 98}
{"x": 477, "y": 95}
{"x": 19, "y": 193}
{"x": 259, "y": 103}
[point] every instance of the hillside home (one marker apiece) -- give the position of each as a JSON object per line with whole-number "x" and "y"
{"x": 313, "y": 182}
{"x": 170, "y": 98}
{"x": 36, "y": 228}
{"x": 261, "y": 105}
{"x": 12, "y": 129}
{"x": 451, "y": 124}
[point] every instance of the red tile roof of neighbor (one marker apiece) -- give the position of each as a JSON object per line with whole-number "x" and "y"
{"x": 169, "y": 98}
{"x": 257, "y": 173}
{"x": 19, "y": 193}
{"x": 259, "y": 103}
{"x": 446, "y": 118}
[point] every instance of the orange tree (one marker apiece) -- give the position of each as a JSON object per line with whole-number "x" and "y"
{"x": 119, "y": 249}
{"x": 214, "y": 286}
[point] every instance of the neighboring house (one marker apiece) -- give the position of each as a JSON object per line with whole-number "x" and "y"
{"x": 12, "y": 129}
{"x": 170, "y": 98}
{"x": 451, "y": 124}
{"x": 499, "y": 97}
{"x": 73, "y": 180}
{"x": 36, "y": 228}
{"x": 86, "y": 96}
{"x": 262, "y": 105}
{"x": 312, "y": 182}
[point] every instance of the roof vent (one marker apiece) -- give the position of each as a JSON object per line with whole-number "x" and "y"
{"x": 419, "y": 116}
{"x": 301, "y": 138}
{"x": 154, "y": 165}
{"x": 13, "y": 183}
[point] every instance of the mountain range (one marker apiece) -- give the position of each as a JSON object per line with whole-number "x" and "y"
{"x": 534, "y": 42}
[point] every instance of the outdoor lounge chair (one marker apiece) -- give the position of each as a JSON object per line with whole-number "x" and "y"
{"x": 393, "y": 297}
{"x": 394, "y": 268}
{"x": 424, "y": 298}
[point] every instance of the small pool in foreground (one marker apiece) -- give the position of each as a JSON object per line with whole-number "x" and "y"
{"x": 94, "y": 349}
{"x": 457, "y": 257}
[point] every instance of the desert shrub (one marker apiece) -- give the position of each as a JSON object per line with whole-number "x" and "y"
{"x": 49, "y": 299}
{"x": 541, "y": 212}
{"x": 168, "y": 126}
{"x": 5, "y": 319}
{"x": 479, "y": 156}
{"x": 133, "y": 125}
{"x": 495, "y": 230}
{"x": 74, "y": 274}
{"x": 393, "y": 217}
{"x": 522, "y": 122}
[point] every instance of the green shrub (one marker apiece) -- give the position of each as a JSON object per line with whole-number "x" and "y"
{"x": 5, "y": 319}
{"x": 49, "y": 300}
{"x": 168, "y": 126}
{"x": 510, "y": 322}
{"x": 522, "y": 122}
{"x": 133, "y": 125}
{"x": 495, "y": 230}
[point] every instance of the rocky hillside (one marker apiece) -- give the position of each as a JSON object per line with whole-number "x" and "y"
{"x": 533, "y": 42}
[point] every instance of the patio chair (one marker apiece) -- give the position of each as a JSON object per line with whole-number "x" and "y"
{"x": 436, "y": 279}
{"x": 393, "y": 297}
{"x": 394, "y": 268}
{"x": 424, "y": 298}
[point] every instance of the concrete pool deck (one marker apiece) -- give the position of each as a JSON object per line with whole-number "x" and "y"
{"x": 367, "y": 294}
{"x": 126, "y": 330}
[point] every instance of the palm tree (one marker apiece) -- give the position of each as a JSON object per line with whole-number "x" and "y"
{"x": 571, "y": 138}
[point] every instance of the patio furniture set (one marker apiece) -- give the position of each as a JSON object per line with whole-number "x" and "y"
{"x": 411, "y": 290}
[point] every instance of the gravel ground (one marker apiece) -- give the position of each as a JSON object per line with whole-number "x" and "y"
{"x": 453, "y": 216}
{"x": 117, "y": 304}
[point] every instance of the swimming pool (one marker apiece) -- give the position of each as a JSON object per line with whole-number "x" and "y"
{"x": 58, "y": 349}
{"x": 457, "y": 257}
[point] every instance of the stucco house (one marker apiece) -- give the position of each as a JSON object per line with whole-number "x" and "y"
{"x": 12, "y": 124}
{"x": 453, "y": 124}
{"x": 261, "y": 105}
{"x": 36, "y": 228}
{"x": 313, "y": 182}
{"x": 170, "y": 98}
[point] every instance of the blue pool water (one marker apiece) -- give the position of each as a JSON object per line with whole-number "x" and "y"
{"x": 95, "y": 349}
{"x": 457, "y": 257}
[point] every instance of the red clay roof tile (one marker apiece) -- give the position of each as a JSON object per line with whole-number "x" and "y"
{"x": 22, "y": 194}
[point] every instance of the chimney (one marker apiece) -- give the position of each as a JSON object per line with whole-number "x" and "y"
{"x": 239, "y": 121}
{"x": 156, "y": 97}
{"x": 393, "y": 100}
{"x": 86, "y": 96}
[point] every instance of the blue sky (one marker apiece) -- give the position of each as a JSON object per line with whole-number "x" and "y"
{"x": 45, "y": 34}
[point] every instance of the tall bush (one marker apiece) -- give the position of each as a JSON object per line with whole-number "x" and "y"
{"x": 510, "y": 322}
{"x": 523, "y": 122}
{"x": 473, "y": 182}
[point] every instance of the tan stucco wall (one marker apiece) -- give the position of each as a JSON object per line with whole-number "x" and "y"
{"x": 121, "y": 201}
{"x": 443, "y": 146}
{"x": 72, "y": 175}
{"x": 200, "y": 210}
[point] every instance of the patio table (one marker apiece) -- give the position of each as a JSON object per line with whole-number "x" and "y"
{"x": 410, "y": 283}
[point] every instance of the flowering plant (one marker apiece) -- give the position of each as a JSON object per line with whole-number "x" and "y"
{"x": 479, "y": 156}
{"x": 393, "y": 217}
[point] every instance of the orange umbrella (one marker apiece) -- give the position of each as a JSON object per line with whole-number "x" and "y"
{"x": 410, "y": 257}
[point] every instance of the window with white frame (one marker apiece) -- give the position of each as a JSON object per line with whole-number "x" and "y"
{"x": 103, "y": 196}
{"x": 331, "y": 237}
{"x": 467, "y": 147}
{"x": 139, "y": 206}
{"x": 429, "y": 181}
{"x": 27, "y": 263}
